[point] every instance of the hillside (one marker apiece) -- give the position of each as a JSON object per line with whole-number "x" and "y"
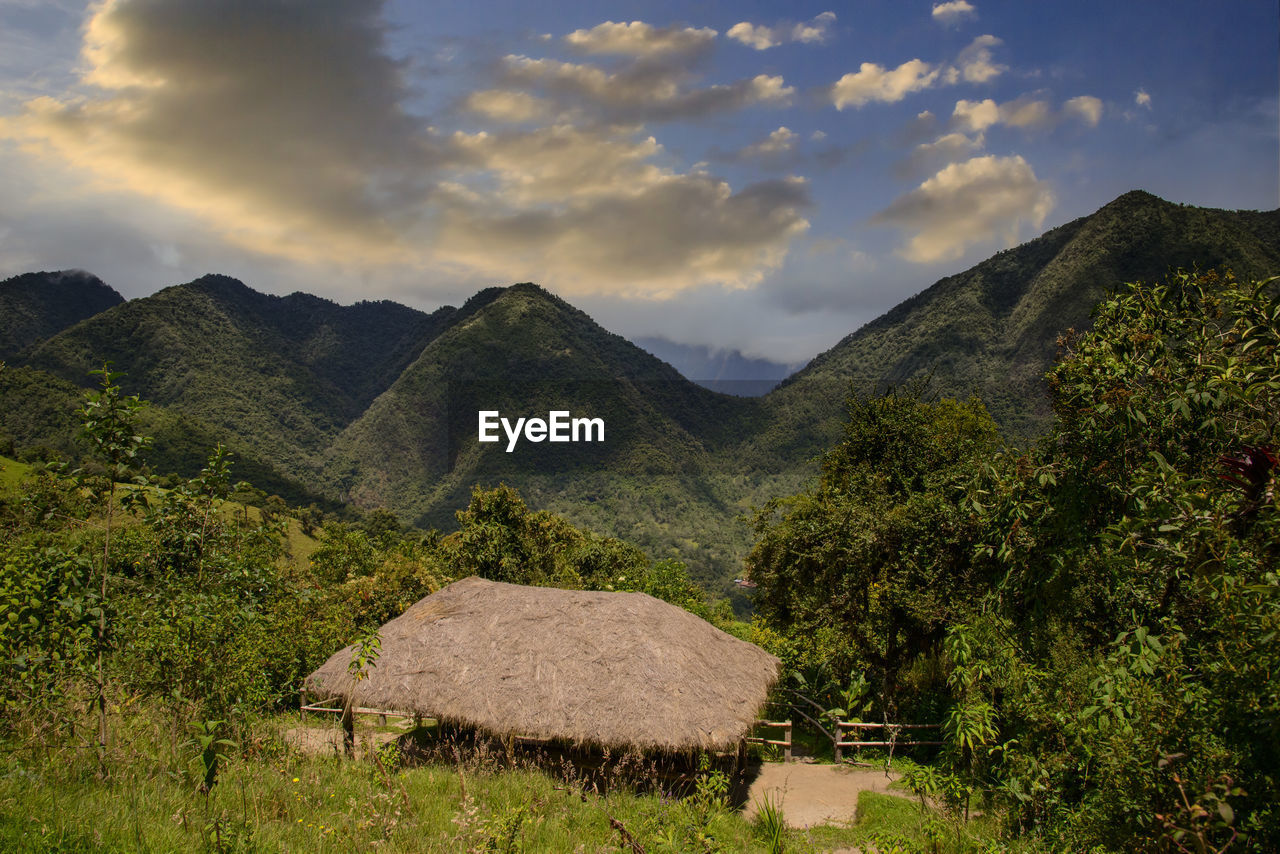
{"x": 523, "y": 352}
{"x": 36, "y": 306}
{"x": 993, "y": 329}
{"x": 376, "y": 403}
{"x": 283, "y": 374}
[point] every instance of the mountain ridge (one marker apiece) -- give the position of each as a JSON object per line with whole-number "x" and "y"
{"x": 376, "y": 402}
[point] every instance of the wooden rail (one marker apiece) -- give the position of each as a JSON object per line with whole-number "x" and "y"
{"x": 784, "y": 743}
{"x": 348, "y": 716}
{"x": 838, "y": 743}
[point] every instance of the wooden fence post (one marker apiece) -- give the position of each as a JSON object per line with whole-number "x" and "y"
{"x": 349, "y": 729}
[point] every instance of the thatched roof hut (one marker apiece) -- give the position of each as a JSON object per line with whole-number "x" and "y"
{"x": 621, "y": 670}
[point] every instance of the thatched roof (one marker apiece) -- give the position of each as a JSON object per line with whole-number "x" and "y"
{"x": 612, "y": 669}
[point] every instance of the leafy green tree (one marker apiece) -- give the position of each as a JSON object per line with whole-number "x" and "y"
{"x": 108, "y": 420}
{"x": 1146, "y": 550}
{"x": 880, "y": 550}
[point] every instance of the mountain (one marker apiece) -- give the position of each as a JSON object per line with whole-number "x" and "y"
{"x": 377, "y": 404}
{"x": 721, "y": 370}
{"x": 993, "y": 329}
{"x": 523, "y": 352}
{"x": 38, "y": 305}
{"x": 283, "y": 374}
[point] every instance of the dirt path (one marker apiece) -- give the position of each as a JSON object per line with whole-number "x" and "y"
{"x": 815, "y": 794}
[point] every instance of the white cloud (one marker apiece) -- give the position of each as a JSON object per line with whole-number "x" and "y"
{"x": 760, "y": 38}
{"x": 1086, "y": 108}
{"x": 243, "y": 143}
{"x": 664, "y": 235}
{"x": 953, "y": 11}
{"x": 873, "y": 82}
{"x": 976, "y": 201}
{"x": 1142, "y": 99}
{"x": 505, "y": 105}
{"x": 645, "y": 91}
{"x": 975, "y": 64}
{"x": 815, "y": 30}
{"x": 779, "y": 141}
{"x": 763, "y": 37}
{"x": 975, "y": 115}
{"x": 640, "y": 39}
{"x": 1026, "y": 112}
{"x": 950, "y": 145}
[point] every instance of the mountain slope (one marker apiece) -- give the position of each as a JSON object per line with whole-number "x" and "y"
{"x": 36, "y": 306}
{"x": 993, "y": 328}
{"x": 522, "y": 352}
{"x": 282, "y": 374}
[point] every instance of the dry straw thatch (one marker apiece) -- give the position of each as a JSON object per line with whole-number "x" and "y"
{"x": 621, "y": 670}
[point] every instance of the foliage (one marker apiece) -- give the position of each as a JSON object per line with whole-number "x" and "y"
{"x": 1121, "y": 602}
{"x": 879, "y": 550}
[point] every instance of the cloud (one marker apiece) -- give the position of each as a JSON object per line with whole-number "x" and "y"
{"x": 639, "y": 39}
{"x": 1142, "y": 99}
{"x": 779, "y": 141}
{"x": 763, "y": 37}
{"x": 975, "y": 201}
{"x": 975, "y": 115}
{"x": 561, "y": 162}
{"x": 505, "y": 105}
{"x": 245, "y": 134}
{"x": 664, "y": 234}
{"x": 283, "y": 126}
{"x": 645, "y": 91}
{"x": 873, "y": 82}
{"x": 953, "y": 12}
{"x": 974, "y": 64}
{"x": 1028, "y": 112}
{"x": 1086, "y": 108}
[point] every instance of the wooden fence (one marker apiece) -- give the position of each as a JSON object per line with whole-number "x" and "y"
{"x": 838, "y": 743}
{"x": 784, "y": 742}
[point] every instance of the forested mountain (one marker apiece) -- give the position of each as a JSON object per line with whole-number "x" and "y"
{"x": 283, "y": 374}
{"x": 376, "y": 403}
{"x": 993, "y": 329}
{"x": 37, "y": 305}
{"x": 523, "y": 352}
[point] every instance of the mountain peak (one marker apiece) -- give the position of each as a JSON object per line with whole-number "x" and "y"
{"x": 36, "y": 306}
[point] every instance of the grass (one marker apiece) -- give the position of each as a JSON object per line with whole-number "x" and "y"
{"x": 281, "y": 800}
{"x": 272, "y": 797}
{"x": 11, "y": 473}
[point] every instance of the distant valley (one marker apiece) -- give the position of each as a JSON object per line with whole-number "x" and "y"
{"x": 375, "y": 403}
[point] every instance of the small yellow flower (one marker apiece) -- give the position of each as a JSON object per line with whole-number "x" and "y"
{"x": 295, "y": 779}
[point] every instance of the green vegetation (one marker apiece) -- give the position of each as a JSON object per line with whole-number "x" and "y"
{"x": 37, "y": 306}
{"x": 1092, "y": 618}
{"x": 991, "y": 329}
{"x": 1093, "y": 621}
{"x": 150, "y": 636}
{"x": 375, "y": 404}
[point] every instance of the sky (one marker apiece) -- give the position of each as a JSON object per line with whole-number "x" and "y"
{"x": 761, "y": 176}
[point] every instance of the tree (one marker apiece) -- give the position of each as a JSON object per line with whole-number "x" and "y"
{"x": 108, "y": 419}
{"x": 879, "y": 552}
